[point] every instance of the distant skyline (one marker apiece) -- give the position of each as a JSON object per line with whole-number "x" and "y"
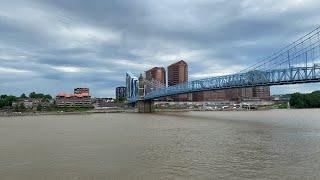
{"x": 51, "y": 46}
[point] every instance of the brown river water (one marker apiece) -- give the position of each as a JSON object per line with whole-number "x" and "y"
{"x": 278, "y": 144}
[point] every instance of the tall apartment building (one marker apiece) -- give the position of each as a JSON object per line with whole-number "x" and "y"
{"x": 158, "y": 74}
{"x": 121, "y": 92}
{"x": 177, "y": 74}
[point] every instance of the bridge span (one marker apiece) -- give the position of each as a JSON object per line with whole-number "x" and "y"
{"x": 296, "y": 63}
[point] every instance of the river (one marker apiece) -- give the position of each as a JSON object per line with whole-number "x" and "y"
{"x": 277, "y": 144}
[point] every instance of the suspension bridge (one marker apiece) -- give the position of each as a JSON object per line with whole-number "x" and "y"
{"x": 296, "y": 63}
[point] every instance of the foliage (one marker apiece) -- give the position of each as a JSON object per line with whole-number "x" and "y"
{"x": 6, "y": 101}
{"x": 34, "y": 95}
{"x": 20, "y": 108}
{"x": 311, "y": 100}
{"x": 23, "y": 96}
{"x": 39, "y": 107}
{"x": 120, "y": 99}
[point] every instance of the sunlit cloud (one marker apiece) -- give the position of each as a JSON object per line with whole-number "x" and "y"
{"x": 7, "y": 70}
{"x": 69, "y": 69}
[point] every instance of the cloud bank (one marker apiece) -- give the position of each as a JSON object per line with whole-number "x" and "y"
{"x": 55, "y": 45}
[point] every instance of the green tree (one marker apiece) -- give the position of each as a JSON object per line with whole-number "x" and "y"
{"x": 39, "y": 107}
{"x": 3, "y": 96}
{"x": 32, "y": 95}
{"x": 46, "y": 97}
{"x": 7, "y": 100}
{"x": 311, "y": 100}
{"x": 121, "y": 100}
{"x": 23, "y": 96}
{"x": 22, "y": 107}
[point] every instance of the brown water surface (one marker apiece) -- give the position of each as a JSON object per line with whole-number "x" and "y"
{"x": 280, "y": 144}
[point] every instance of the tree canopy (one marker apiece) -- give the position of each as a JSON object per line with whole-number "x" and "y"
{"x": 40, "y": 96}
{"x": 311, "y": 100}
{"x": 6, "y": 100}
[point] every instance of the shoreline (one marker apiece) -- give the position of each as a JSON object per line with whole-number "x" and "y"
{"x": 63, "y": 113}
{"x": 130, "y": 111}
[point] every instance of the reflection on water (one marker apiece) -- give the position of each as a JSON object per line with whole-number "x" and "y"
{"x": 196, "y": 145}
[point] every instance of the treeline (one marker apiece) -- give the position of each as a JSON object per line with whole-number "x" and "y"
{"x": 311, "y": 100}
{"x": 7, "y": 100}
{"x": 34, "y": 95}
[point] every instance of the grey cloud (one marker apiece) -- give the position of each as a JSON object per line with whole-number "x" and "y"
{"x": 108, "y": 38}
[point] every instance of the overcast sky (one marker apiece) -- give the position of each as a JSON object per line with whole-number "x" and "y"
{"x": 55, "y": 45}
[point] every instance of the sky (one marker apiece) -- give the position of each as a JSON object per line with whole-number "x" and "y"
{"x": 52, "y": 46}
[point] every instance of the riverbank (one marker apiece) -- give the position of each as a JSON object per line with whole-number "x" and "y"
{"x": 8, "y": 114}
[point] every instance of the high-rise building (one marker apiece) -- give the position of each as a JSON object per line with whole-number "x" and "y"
{"x": 178, "y": 74}
{"x": 158, "y": 74}
{"x": 121, "y": 93}
{"x": 141, "y": 86}
{"x": 132, "y": 86}
{"x": 81, "y": 90}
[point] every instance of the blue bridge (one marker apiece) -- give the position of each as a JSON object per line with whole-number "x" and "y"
{"x": 296, "y": 63}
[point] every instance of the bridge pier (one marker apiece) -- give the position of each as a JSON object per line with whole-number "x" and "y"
{"x": 145, "y": 106}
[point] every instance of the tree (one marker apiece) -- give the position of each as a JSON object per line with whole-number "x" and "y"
{"x": 3, "y": 96}
{"x": 121, "y": 99}
{"x": 22, "y": 107}
{"x": 311, "y": 100}
{"x": 48, "y": 96}
{"x": 39, "y": 107}
{"x": 23, "y": 96}
{"x": 7, "y": 100}
{"x": 32, "y": 95}
{"x": 297, "y": 100}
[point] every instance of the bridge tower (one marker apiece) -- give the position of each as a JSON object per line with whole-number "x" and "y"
{"x": 145, "y": 106}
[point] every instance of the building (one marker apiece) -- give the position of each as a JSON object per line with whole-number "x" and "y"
{"x": 121, "y": 93}
{"x": 178, "y": 74}
{"x": 262, "y": 92}
{"x": 73, "y": 100}
{"x": 105, "y": 103}
{"x": 81, "y": 90}
{"x": 132, "y": 85}
{"x": 141, "y": 86}
{"x": 238, "y": 94}
{"x": 158, "y": 74}
{"x": 218, "y": 95}
{"x": 33, "y": 103}
{"x": 235, "y": 94}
